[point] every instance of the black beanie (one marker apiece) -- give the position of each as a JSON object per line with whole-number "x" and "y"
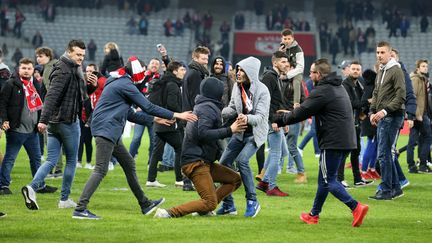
{"x": 212, "y": 88}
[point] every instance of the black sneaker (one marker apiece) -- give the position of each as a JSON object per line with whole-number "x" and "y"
{"x": 163, "y": 168}
{"x": 5, "y": 191}
{"x": 188, "y": 188}
{"x": 380, "y": 195}
{"x": 47, "y": 189}
{"x": 397, "y": 193}
{"x": 2, "y": 215}
{"x": 363, "y": 183}
{"x": 424, "y": 170}
{"x": 413, "y": 169}
{"x": 153, "y": 205}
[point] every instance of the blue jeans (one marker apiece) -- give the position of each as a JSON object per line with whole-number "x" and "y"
{"x": 370, "y": 154}
{"x": 241, "y": 152}
{"x": 60, "y": 135}
{"x": 138, "y": 132}
{"x": 14, "y": 142}
{"x": 387, "y": 131}
{"x": 311, "y": 135}
{"x": 329, "y": 162}
{"x": 168, "y": 156}
{"x": 271, "y": 165}
{"x": 421, "y": 133}
{"x": 292, "y": 137}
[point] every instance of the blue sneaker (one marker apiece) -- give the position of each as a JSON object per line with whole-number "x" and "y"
{"x": 84, "y": 215}
{"x": 154, "y": 204}
{"x": 252, "y": 208}
{"x": 404, "y": 183}
{"x": 226, "y": 210}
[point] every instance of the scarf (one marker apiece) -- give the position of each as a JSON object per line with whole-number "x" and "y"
{"x": 246, "y": 100}
{"x": 34, "y": 102}
{"x": 149, "y": 76}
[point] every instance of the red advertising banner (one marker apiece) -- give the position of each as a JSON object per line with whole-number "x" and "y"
{"x": 265, "y": 43}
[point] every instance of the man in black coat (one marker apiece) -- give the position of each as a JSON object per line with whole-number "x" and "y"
{"x": 330, "y": 105}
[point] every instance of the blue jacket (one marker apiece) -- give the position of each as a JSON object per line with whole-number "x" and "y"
{"x": 113, "y": 108}
{"x": 410, "y": 102}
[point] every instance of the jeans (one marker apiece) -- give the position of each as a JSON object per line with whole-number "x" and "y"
{"x": 241, "y": 151}
{"x": 421, "y": 132}
{"x": 104, "y": 150}
{"x": 138, "y": 133}
{"x": 271, "y": 164}
{"x": 387, "y": 131}
{"x": 311, "y": 135}
{"x": 175, "y": 140}
{"x": 60, "y": 135}
{"x": 168, "y": 156}
{"x": 329, "y": 162}
{"x": 204, "y": 175}
{"x": 370, "y": 154}
{"x": 292, "y": 137}
{"x": 14, "y": 142}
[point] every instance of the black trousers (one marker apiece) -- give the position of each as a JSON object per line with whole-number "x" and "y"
{"x": 354, "y": 162}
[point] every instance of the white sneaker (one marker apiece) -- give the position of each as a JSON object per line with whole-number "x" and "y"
{"x": 110, "y": 166}
{"x": 67, "y": 204}
{"x": 89, "y": 166}
{"x": 154, "y": 184}
{"x": 345, "y": 185}
{"x": 42, "y": 158}
{"x": 30, "y": 198}
{"x": 78, "y": 165}
{"x": 317, "y": 155}
{"x": 300, "y": 151}
{"x": 178, "y": 184}
{"x": 162, "y": 214}
{"x": 208, "y": 214}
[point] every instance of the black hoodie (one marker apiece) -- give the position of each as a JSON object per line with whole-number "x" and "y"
{"x": 228, "y": 84}
{"x": 271, "y": 80}
{"x": 331, "y": 106}
{"x": 194, "y": 76}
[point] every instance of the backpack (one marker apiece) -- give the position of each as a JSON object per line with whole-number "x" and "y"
{"x": 4, "y": 76}
{"x": 156, "y": 92}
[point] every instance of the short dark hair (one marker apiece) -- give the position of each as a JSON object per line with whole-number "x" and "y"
{"x": 278, "y": 55}
{"x": 76, "y": 43}
{"x": 286, "y": 32}
{"x": 395, "y": 51}
{"x": 384, "y": 44}
{"x": 25, "y": 60}
{"x": 174, "y": 65}
{"x": 93, "y": 65}
{"x": 200, "y": 50}
{"x": 323, "y": 66}
{"x": 420, "y": 61}
{"x": 45, "y": 51}
{"x": 356, "y": 62}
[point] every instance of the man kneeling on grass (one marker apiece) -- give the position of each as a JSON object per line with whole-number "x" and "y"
{"x": 330, "y": 104}
{"x": 200, "y": 150}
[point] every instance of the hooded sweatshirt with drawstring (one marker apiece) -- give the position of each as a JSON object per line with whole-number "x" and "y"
{"x": 390, "y": 92}
{"x": 260, "y": 102}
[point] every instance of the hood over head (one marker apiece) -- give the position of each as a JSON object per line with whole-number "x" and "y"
{"x": 251, "y": 67}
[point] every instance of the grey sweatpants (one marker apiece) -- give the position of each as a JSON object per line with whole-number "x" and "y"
{"x": 104, "y": 149}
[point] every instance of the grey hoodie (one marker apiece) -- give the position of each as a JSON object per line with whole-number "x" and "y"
{"x": 258, "y": 117}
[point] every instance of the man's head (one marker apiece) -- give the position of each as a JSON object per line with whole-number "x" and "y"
{"x": 25, "y": 68}
{"x": 241, "y": 76}
{"x": 319, "y": 69}
{"x": 345, "y": 67}
{"x": 177, "y": 68}
{"x": 44, "y": 55}
{"x": 154, "y": 65}
{"x": 422, "y": 66}
{"x": 383, "y": 52}
{"x": 200, "y": 55}
{"x": 280, "y": 62}
{"x": 287, "y": 37}
{"x": 395, "y": 54}
{"x": 212, "y": 88}
{"x": 355, "y": 69}
{"x": 218, "y": 66}
{"x": 90, "y": 69}
{"x": 76, "y": 51}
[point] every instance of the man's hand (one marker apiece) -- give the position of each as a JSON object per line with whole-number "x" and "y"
{"x": 5, "y": 125}
{"x": 92, "y": 79}
{"x": 296, "y": 105}
{"x": 286, "y": 129}
{"x": 242, "y": 118}
{"x": 187, "y": 116}
{"x": 410, "y": 123}
{"x": 163, "y": 51}
{"x": 238, "y": 127}
{"x": 165, "y": 122}
{"x": 378, "y": 116}
{"x": 42, "y": 127}
{"x": 275, "y": 127}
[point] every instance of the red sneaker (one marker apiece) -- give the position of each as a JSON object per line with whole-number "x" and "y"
{"x": 374, "y": 174}
{"x": 262, "y": 186}
{"x": 366, "y": 176}
{"x": 276, "y": 192}
{"x": 359, "y": 213}
{"x": 308, "y": 219}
